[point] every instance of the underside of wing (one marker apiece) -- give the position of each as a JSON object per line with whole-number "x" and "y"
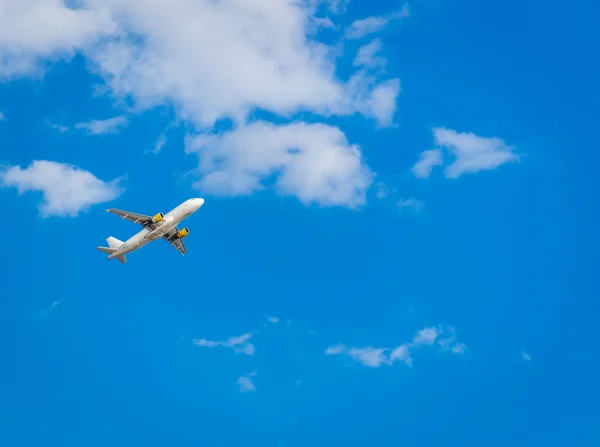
{"x": 173, "y": 238}
{"x": 141, "y": 219}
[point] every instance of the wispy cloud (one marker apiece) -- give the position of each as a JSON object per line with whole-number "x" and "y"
{"x": 159, "y": 144}
{"x": 426, "y": 336}
{"x": 335, "y": 349}
{"x": 67, "y": 189}
{"x": 363, "y": 27}
{"x": 375, "y": 357}
{"x": 412, "y": 203}
{"x": 367, "y": 55}
{"x": 525, "y": 356}
{"x": 337, "y": 6}
{"x": 2, "y": 116}
{"x": 57, "y": 127}
{"x": 273, "y": 320}
{"x": 449, "y": 343}
{"x": 382, "y": 190}
{"x": 246, "y": 384}
{"x": 427, "y": 161}
{"x": 473, "y": 153}
{"x": 101, "y": 127}
{"x": 47, "y": 311}
{"x": 240, "y": 345}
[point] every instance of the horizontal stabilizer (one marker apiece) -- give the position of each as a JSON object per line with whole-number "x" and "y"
{"x": 107, "y": 250}
{"x": 110, "y": 251}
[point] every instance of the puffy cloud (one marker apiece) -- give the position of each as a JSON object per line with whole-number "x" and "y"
{"x": 283, "y": 70}
{"x": 375, "y": 357}
{"x": 314, "y": 162}
{"x": 159, "y": 53}
{"x": 99, "y": 127}
{"x": 473, "y": 153}
{"x": 32, "y": 30}
{"x": 427, "y": 161}
{"x": 66, "y": 189}
{"x": 239, "y": 344}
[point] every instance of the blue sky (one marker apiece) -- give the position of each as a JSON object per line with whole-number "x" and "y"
{"x": 398, "y": 244}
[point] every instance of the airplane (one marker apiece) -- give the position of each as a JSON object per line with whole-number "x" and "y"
{"x": 155, "y": 227}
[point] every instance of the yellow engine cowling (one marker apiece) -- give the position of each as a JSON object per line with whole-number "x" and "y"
{"x": 183, "y": 233}
{"x": 157, "y": 218}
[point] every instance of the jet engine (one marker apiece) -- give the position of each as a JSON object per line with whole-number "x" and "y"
{"x": 183, "y": 233}
{"x": 158, "y": 218}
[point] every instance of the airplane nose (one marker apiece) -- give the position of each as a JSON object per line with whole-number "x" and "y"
{"x": 200, "y": 202}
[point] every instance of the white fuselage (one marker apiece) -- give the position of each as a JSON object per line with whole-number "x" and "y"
{"x": 171, "y": 219}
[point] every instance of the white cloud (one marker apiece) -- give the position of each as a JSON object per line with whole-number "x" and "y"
{"x": 314, "y": 162}
{"x": 367, "y": 55}
{"x": 377, "y": 102}
{"x": 337, "y": 6}
{"x": 324, "y": 22}
{"x": 160, "y": 143}
{"x": 66, "y": 189}
{"x": 369, "y": 356}
{"x": 363, "y": 27}
{"x": 100, "y": 127}
{"x": 246, "y": 385}
{"x": 375, "y": 357}
{"x": 525, "y": 356}
{"x": 382, "y": 190}
{"x": 413, "y": 203}
{"x": 459, "y": 348}
{"x": 46, "y": 311}
{"x": 426, "y": 336}
{"x": 402, "y": 354}
{"x": 473, "y": 153}
{"x": 240, "y": 344}
{"x": 32, "y": 30}
{"x": 58, "y": 127}
{"x": 283, "y": 71}
{"x": 158, "y": 53}
{"x": 427, "y": 161}
{"x": 273, "y": 320}
{"x": 449, "y": 343}
{"x": 335, "y": 349}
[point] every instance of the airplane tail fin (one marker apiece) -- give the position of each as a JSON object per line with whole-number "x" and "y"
{"x": 114, "y": 244}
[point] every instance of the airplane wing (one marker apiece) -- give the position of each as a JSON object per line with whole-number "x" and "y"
{"x": 142, "y": 219}
{"x": 176, "y": 242}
